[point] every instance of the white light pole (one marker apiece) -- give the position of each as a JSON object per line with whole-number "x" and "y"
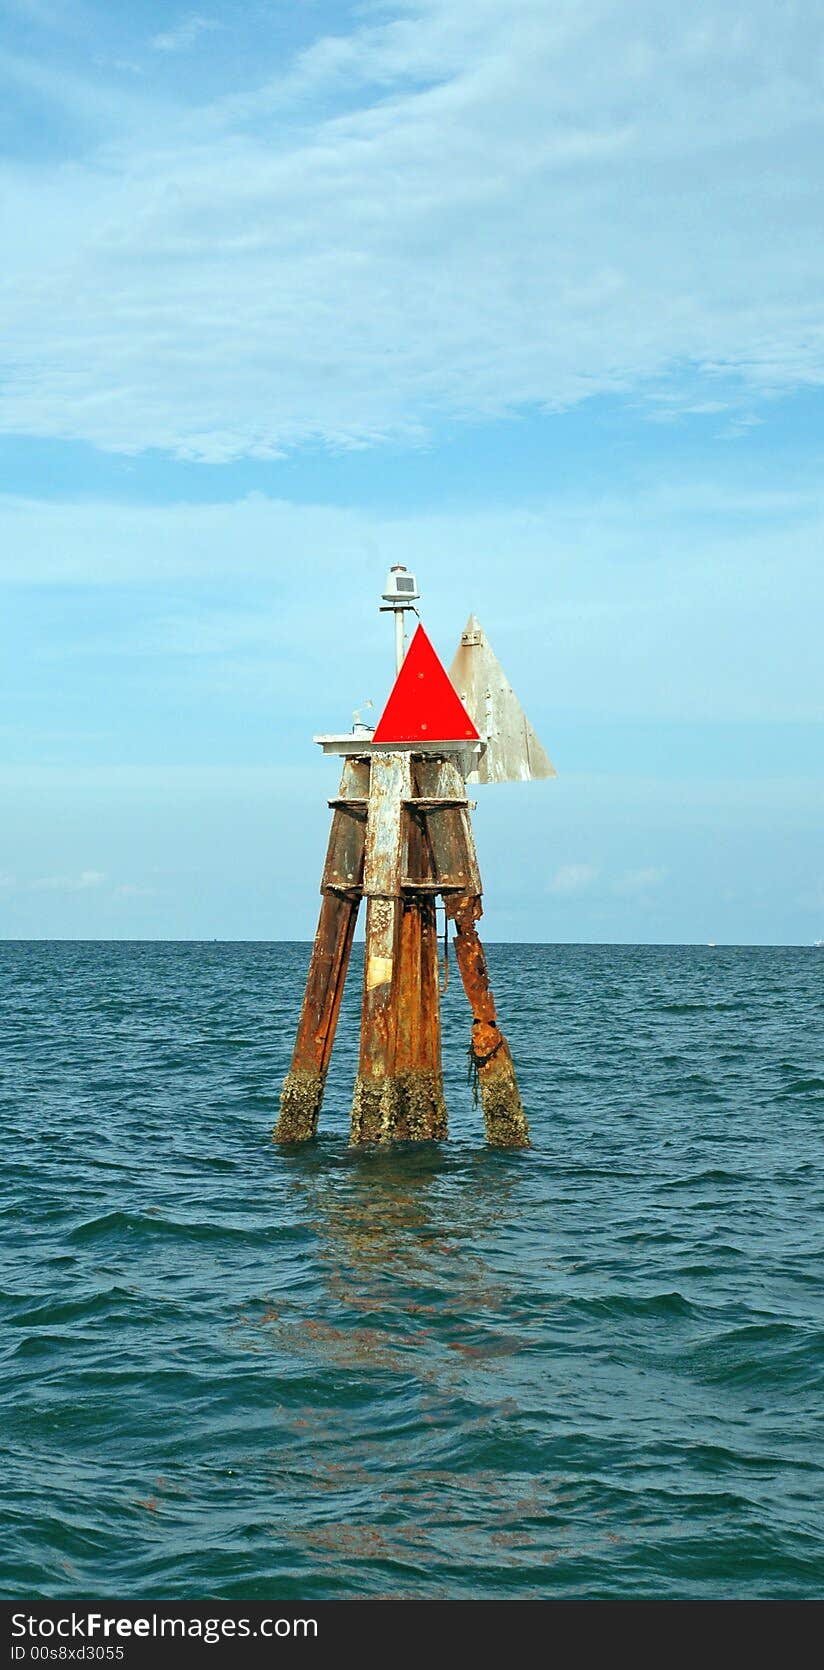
{"x": 400, "y": 593}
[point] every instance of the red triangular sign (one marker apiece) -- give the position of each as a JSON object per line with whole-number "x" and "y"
{"x": 423, "y": 705}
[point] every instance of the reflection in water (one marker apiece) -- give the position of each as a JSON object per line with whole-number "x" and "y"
{"x": 414, "y": 1254}
{"x": 408, "y": 1230}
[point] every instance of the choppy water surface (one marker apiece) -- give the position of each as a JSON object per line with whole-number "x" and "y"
{"x": 590, "y": 1369}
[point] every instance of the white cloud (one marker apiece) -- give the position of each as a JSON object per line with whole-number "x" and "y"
{"x": 573, "y": 878}
{"x": 75, "y": 884}
{"x": 68, "y": 884}
{"x": 86, "y": 881}
{"x": 635, "y": 883}
{"x": 682, "y": 601}
{"x": 184, "y": 34}
{"x": 469, "y": 208}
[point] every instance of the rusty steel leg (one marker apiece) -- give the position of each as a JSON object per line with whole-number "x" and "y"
{"x": 303, "y": 1087}
{"x": 504, "y": 1117}
{"x": 421, "y": 1112}
{"x": 429, "y": 1065}
{"x": 377, "y": 1102}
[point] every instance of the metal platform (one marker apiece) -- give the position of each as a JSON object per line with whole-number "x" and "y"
{"x": 356, "y": 745}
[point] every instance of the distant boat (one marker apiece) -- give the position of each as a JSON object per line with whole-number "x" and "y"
{"x": 711, "y": 944}
{"x": 819, "y": 943}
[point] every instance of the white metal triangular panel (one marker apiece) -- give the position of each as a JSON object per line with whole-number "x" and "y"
{"x": 513, "y": 751}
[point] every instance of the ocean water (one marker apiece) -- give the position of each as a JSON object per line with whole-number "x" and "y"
{"x": 590, "y": 1369}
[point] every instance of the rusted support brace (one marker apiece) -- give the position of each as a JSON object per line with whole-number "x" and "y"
{"x": 303, "y": 1087}
{"x": 504, "y": 1117}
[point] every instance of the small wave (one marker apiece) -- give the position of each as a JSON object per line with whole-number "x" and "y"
{"x": 711, "y": 1174}
{"x": 53, "y": 1311}
{"x": 150, "y": 1224}
{"x": 630, "y": 1304}
{"x": 764, "y": 1356}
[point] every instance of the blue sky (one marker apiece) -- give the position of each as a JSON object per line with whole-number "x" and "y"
{"x": 527, "y": 296}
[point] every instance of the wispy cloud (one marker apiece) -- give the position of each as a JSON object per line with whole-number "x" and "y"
{"x": 457, "y": 208}
{"x": 635, "y": 883}
{"x": 184, "y": 34}
{"x": 69, "y": 884}
{"x": 573, "y": 878}
{"x": 87, "y": 881}
{"x": 615, "y": 596}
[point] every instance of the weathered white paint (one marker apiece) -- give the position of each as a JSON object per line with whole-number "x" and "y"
{"x": 513, "y": 752}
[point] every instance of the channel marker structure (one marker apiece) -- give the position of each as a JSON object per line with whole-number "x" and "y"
{"x": 401, "y": 838}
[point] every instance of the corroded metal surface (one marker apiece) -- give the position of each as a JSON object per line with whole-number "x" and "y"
{"x": 390, "y": 783}
{"x": 513, "y": 751}
{"x": 375, "y": 1103}
{"x": 453, "y": 861}
{"x": 302, "y": 1092}
{"x": 504, "y": 1117}
{"x": 420, "y": 1110}
{"x": 401, "y": 834}
{"x": 398, "y": 1094}
{"x": 303, "y": 1086}
{"x": 343, "y": 868}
